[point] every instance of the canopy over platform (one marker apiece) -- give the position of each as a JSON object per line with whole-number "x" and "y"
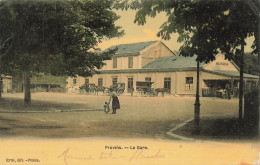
{"x": 232, "y": 74}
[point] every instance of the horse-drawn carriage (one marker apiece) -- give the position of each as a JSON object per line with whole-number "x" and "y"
{"x": 162, "y": 91}
{"x": 101, "y": 89}
{"x": 119, "y": 88}
{"x": 145, "y": 88}
{"x": 87, "y": 89}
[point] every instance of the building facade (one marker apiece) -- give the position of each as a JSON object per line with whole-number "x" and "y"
{"x": 5, "y": 84}
{"x": 154, "y": 62}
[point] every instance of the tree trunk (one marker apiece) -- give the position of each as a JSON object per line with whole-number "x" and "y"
{"x": 255, "y": 7}
{"x": 241, "y": 83}
{"x": 27, "y": 92}
{"x": 258, "y": 52}
{"x": 196, "y": 129}
{"x": 1, "y": 86}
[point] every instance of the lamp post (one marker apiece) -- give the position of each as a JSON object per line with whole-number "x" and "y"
{"x": 241, "y": 82}
{"x": 196, "y": 128}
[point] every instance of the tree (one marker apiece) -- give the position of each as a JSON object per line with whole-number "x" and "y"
{"x": 251, "y": 64}
{"x": 56, "y": 37}
{"x": 204, "y": 27}
{"x": 255, "y": 7}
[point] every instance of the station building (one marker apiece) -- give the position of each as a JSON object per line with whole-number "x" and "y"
{"x": 154, "y": 62}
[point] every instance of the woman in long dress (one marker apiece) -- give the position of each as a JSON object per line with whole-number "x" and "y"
{"x": 115, "y": 102}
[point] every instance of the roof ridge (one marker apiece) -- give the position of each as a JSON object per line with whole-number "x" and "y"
{"x": 131, "y": 47}
{"x": 135, "y": 43}
{"x": 172, "y": 62}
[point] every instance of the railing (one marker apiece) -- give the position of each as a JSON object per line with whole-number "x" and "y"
{"x": 208, "y": 92}
{"x": 221, "y": 93}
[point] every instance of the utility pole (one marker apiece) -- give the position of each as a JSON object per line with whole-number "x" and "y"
{"x": 241, "y": 81}
{"x": 255, "y": 7}
{"x": 258, "y": 52}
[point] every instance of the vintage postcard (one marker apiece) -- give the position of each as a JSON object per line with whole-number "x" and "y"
{"x": 129, "y": 82}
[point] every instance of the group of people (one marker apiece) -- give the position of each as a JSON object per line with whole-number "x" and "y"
{"x": 115, "y": 103}
{"x": 224, "y": 93}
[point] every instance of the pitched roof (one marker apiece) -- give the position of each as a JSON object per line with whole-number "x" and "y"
{"x": 130, "y": 48}
{"x": 174, "y": 62}
{"x": 182, "y": 62}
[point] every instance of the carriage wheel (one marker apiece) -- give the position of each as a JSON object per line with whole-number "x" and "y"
{"x": 120, "y": 91}
{"x": 106, "y": 92}
{"x": 92, "y": 90}
{"x": 81, "y": 92}
{"x": 140, "y": 91}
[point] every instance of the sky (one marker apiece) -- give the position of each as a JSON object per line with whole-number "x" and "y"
{"x": 137, "y": 33}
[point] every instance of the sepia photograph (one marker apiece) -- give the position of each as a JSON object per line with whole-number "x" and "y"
{"x": 129, "y": 82}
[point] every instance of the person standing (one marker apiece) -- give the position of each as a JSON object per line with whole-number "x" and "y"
{"x": 115, "y": 102}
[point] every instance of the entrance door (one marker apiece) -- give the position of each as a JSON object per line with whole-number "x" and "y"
{"x": 167, "y": 84}
{"x": 114, "y": 81}
{"x": 130, "y": 84}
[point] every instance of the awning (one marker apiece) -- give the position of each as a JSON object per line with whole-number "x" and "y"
{"x": 235, "y": 74}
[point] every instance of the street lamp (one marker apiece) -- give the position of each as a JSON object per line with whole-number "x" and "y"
{"x": 196, "y": 128}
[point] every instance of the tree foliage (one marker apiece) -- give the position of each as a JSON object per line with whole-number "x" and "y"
{"x": 205, "y": 27}
{"x": 56, "y": 37}
{"x": 250, "y": 64}
{"x": 49, "y": 79}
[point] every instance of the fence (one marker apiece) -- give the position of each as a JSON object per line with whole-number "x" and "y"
{"x": 209, "y": 92}
{"x": 47, "y": 88}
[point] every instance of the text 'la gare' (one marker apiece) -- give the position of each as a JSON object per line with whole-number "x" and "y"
{"x": 125, "y": 147}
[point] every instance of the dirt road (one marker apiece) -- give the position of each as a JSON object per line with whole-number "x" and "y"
{"x": 146, "y": 117}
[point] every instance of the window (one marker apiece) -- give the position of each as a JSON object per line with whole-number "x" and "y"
{"x": 100, "y": 82}
{"x": 114, "y": 81}
{"x": 189, "y": 83}
{"x": 167, "y": 83}
{"x": 114, "y": 62}
{"x": 254, "y": 87}
{"x": 155, "y": 55}
{"x": 86, "y": 81}
{"x": 130, "y": 62}
{"x": 74, "y": 81}
{"x": 130, "y": 83}
{"x": 148, "y": 79}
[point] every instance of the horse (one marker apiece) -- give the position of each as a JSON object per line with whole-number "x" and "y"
{"x": 162, "y": 90}
{"x": 100, "y": 89}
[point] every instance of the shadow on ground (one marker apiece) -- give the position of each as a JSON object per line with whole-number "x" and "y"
{"x": 17, "y": 124}
{"x": 219, "y": 129}
{"x": 114, "y": 128}
{"x": 14, "y": 104}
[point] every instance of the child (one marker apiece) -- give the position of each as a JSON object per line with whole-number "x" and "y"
{"x": 106, "y": 107}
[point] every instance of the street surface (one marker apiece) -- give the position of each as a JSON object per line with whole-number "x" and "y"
{"x": 139, "y": 117}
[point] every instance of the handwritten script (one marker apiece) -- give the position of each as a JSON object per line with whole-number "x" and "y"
{"x": 130, "y": 156}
